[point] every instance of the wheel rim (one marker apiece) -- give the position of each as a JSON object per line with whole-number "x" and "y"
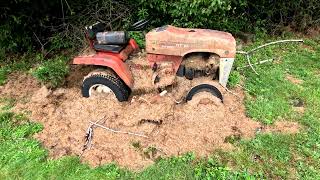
{"x": 100, "y": 89}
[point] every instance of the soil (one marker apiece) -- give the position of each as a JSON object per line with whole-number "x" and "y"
{"x": 313, "y": 32}
{"x": 201, "y": 125}
{"x": 307, "y": 47}
{"x": 284, "y": 127}
{"x": 300, "y": 110}
{"x": 297, "y": 105}
{"x": 16, "y": 86}
{"x": 294, "y": 80}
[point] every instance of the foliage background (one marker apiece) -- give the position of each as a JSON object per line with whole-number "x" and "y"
{"x": 28, "y": 25}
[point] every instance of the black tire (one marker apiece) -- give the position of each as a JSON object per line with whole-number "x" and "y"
{"x": 181, "y": 71}
{"x": 189, "y": 73}
{"x": 204, "y": 88}
{"x": 119, "y": 88}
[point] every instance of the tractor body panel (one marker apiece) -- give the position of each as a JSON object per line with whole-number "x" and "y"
{"x": 115, "y": 61}
{"x": 224, "y": 70}
{"x": 170, "y": 40}
{"x": 108, "y": 60}
{"x": 158, "y": 59}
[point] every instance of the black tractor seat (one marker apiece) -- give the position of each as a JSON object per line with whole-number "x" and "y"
{"x": 108, "y": 47}
{"x": 106, "y": 41}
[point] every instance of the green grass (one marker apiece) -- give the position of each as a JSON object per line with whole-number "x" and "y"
{"x": 269, "y": 98}
{"x": 50, "y": 72}
{"x": 7, "y": 103}
{"x": 23, "y": 63}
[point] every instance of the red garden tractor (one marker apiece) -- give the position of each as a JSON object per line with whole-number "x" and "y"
{"x": 170, "y": 53}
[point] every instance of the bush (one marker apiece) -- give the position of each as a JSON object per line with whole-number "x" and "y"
{"x": 52, "y": 72}
{"x": 139, "y": 37}
{"x": 231, "y": 15}
{"x": 13, "y": 37}
{"x": 33, "y": 25}
{"x": 3, "y": 75}
{"x": 196, "y": 13}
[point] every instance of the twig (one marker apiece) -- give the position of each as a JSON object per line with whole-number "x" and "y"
{"x": 232, "y": 92}
{"x": 241, "y": 52}
{"x": 62, "y": 10}
{"x": 116, "y": 131}
{"x": 174, "y": 99}
{"x": 247, "y": 54}
{"x": 177, "y": 101}
{"x": 249, "y": 62}
{"x": 110, "y": 14}
{"x": 244, "y": 88}
{"x": 144, "y": 100}
{"x": 68, "y": 6}
{"x": 275, "y": 42}
{"x": 89, "y": 136}
{"x": 160, "y": 150}
{"x": 42, "y": 45}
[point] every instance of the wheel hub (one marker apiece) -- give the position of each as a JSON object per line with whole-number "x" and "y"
{"x": 100, "y": 89}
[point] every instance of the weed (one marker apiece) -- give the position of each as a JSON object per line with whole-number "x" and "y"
{"x": 234, "y": 79}
{"x": 211, "y": 169}
{"x": 232, "y": 138}
{"x": 136, "y": 144}
{"x": 7, "y": 103}
{"x": 3, "y": 75}
{"x": 138, "y": 36}
{"x": 59, "y": 41}
{"x": 150, "y": 152}
{"x": 52, "y": 72}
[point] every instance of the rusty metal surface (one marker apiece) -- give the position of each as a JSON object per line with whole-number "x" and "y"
{"x": 170, "y": 40}
{"x": 107, "y": 60}
{"x": 112, "y": 60}
{"x": 156, "y": 58}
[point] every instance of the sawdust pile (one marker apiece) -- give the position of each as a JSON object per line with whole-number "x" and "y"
{"x": 142, "y": 73}
{"x": 201, "y": 125}
{"x": 16, "y": 86}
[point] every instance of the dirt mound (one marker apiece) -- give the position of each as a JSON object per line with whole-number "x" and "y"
{"x": 201, "y": 125}
{"x": 19, "y": 86}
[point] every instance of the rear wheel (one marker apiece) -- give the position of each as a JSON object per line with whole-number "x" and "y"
{"x": 204, "y": 88}
{"x": 105, "y": 82}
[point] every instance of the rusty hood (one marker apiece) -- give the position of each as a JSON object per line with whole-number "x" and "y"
{"x": 176, "y": 41}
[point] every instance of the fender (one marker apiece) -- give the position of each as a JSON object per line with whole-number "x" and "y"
{"x": 115, "y": 61}
{"x": 220, "y": 52}
{"x": 110, "y": 60}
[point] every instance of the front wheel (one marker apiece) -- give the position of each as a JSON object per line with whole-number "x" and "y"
{"x": 105, "y": 82}
{"x": 204, "y": 88}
